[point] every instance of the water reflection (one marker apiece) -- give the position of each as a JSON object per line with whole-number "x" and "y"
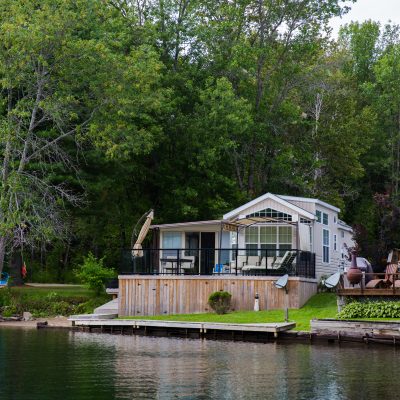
{"x": 48, "y": 365}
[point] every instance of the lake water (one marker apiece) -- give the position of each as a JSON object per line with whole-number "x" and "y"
{"x": 52, "y": 365}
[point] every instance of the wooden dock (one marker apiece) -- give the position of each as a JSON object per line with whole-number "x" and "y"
{"x": 261, "y": 332}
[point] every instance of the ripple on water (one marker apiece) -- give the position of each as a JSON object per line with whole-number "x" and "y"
{"x": 48, "y": 365}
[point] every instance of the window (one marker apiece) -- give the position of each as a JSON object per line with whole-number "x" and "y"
{"x": 269, "y": 240}
{"x": 269, "y": 212}
{"x": 335, "y": 242}
{"x": 325, "y": 245}
{"x": 275, "y": 240}
{"x": 322, "y": 217}
{"x": 171, "y": 240}
{"x": 251, "y": 239}
{"x": 285, "y": 239}
{"x": 304, "y": 221}
{"x": 334, "y": 219}
{"x": 342, "y": 234}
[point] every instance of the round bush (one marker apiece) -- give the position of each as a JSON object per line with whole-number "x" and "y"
{"x": 220, "y": 302}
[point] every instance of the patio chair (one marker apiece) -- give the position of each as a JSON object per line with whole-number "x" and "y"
{"x": 240, "y": 262}
{"x": 3, "y": 279}
{"x": 252, "y": 264}
{"x": 387, "y": 281}
{"x": 166, "y": 265}
{"x": 284, "y": 262}
{"x": 187, "y": 263}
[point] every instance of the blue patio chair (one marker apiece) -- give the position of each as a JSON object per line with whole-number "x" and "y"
{"x": 218, "y": 269}
{"x": 4, "y": 279}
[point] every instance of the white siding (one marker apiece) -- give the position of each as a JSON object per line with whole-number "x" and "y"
{"x": 305, "y": 205}
{"x": 268, "y": 203}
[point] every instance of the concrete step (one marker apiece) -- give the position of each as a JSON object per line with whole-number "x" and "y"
{"x": 86, "y": 317}
{"x": 109, "y": 308}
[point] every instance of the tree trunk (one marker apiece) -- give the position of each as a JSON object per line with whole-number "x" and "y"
{"x": 15, "y": 269}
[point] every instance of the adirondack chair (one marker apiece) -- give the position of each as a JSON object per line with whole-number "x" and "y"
{"x": 387, "y": 281}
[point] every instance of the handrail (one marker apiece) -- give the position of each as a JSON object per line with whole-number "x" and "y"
{"x": 220, "y": 260}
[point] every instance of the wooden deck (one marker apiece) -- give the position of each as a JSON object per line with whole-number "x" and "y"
{"x": 369, "y": 292}
{"x": 141, "y": 295}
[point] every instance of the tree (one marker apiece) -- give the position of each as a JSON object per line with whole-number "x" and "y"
{"x": 61, "y": 83}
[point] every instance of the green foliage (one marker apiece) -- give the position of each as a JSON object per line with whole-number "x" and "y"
{"x": 48, "y": 302}
{"x": 220, "y": 302}
{"x": 188, "y": 111}
{"x": 376, "y": 309}
{"x": 94, "y": 274}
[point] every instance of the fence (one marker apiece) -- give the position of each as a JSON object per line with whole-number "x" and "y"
{"x": 219, "y": 261}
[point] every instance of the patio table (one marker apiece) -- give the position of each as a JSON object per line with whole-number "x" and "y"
{"x": 176, "y": 263}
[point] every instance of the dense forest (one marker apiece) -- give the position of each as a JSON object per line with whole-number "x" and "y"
{"x": 191, "y": 107}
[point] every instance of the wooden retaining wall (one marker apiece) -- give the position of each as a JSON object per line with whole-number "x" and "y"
{"x": 156, "y": 295}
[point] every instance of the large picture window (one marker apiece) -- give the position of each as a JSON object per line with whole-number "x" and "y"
{"x": 325, "y": 245}
{"x": 251, "y": 239}
{"x": 275, "y": 238}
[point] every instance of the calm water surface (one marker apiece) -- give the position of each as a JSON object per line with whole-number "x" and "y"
{"x": 49, "y": 365}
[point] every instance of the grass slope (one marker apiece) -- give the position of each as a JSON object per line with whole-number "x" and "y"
{"x": 322, "y": 305}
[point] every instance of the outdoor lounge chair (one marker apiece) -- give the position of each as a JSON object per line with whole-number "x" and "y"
{"x": 387, "y": 281}
{"x": 251, "y": 263}
{"x": 284, "y": 262}
{"x": 240, "y": 262}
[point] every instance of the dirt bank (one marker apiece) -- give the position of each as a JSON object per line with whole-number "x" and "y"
{"x": 57, "y": 322}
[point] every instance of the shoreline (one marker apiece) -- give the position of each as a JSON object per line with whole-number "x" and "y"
{"x": 323, "y": 336}
{"x": 53, "y": 322}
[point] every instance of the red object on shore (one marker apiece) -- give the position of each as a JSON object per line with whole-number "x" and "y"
{"x": 354, "y": 274}
{"x": 23, "y": 271}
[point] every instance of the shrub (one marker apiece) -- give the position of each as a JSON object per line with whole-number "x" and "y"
{"x": 371, "y": 309}
{"x": 220, "y": 302}
{"x": 94, "y": 274}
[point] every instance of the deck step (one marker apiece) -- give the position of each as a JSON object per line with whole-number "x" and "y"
{"x": 93, "y": 317}
{"x": 109, "y": 308}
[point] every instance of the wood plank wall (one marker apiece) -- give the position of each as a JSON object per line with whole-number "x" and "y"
{"x": 156, "y": 295}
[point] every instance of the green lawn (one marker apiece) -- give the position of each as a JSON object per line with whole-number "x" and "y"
{"x": 322, "y": 305}
{"x": 38, "y": 292}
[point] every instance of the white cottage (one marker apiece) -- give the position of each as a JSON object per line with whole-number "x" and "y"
{"x": 259, "y": 238}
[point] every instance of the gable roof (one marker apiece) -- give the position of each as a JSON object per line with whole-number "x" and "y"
{"x": 309, "y": 200}
{"x": 344, "y": 226}
{"x": 273, "y": 197}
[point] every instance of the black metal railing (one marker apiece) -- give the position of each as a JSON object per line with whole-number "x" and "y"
{"x": 220, "y": 261}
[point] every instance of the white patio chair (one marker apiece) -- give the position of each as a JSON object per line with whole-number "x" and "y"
{"x": 241, "y": 261}
{"x": 187, "y": 262}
